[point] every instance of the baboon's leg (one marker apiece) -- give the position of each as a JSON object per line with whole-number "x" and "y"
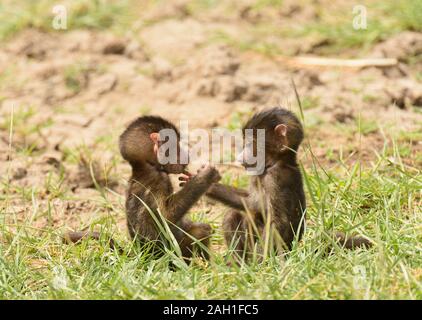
{"x": 235, "y": 232}
{"x": 202, "y": 233}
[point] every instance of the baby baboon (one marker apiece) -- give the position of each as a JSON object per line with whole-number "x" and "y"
{"x": 150, "y": 191}
{"x": 275, "y": 196}
{"x": 140, "y": 146}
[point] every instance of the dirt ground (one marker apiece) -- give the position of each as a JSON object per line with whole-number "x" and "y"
{"x": 70, "y": 94}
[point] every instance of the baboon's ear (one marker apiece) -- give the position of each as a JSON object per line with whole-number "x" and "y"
{"x": 154, "y": 137}
{"x": 281, "y": 130}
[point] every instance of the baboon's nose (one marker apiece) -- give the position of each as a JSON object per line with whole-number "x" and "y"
{"x": 184, "y": 157}
{"x": 240, "y": 157}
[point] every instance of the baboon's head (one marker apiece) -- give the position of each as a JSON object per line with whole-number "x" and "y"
{"x": 283, "y": 134}
{"x": 156, "y": 141}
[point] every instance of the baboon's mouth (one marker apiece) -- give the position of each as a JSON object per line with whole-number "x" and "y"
{"x": 175, "y": 168}
{"x": 248, "y": 165}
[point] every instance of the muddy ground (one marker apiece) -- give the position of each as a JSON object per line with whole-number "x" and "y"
{"x": 71, "y": 93}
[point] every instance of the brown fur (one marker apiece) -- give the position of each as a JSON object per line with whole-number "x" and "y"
{"x": 149, "y": 188}
{"x": 277, "y": 194}
{"x": 150, "y": 182}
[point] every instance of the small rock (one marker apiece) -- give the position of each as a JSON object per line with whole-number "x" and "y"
{"x": 52, "y": 159}
{"x": 405, "y": 93}
{"x": 401, "y": 46}
{"x": 219, "y": 62}
{"x": 230, "y": 89}
{"x": 162, "y": 69}
{"x": 134, "y": 51}
{"x": 259, "y": 89}
{"x": 103, "y": 83}
{"x": 343, "y": 116}
{"x": 19, "y": 173}
{"x": 249, "y": 14}
{"x": 114, "y": 47}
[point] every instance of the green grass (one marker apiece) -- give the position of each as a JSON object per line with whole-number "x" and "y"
{"x": 333, "y": 28}
{"x": 383, "y": 20}
{"x": 237, "y": 119}
{"x": 408, "y": 13}
{"x": 18, "y": 15}
{"x": 310, "y": 102}
{"x": 74, "y": 77}
{"x": 382, "y": 201}
{"x": 28, "y": 137}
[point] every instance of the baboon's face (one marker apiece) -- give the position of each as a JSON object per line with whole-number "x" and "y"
{"x": 181, "y": 163}
{"x": 263, "y": 145}
{"x": 247, "y": 157}
{"x": 168, "y": 152}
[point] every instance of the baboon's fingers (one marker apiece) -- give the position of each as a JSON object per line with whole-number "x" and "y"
{"x": 184, "y": 178}
{"x": 187, "y": 173}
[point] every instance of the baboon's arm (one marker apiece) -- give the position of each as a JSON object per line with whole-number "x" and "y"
{"x": 230, "y": 196}
{"x": 179, "y": 203}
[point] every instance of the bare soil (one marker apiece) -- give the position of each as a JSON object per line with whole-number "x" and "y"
{"x": 72, "y": 93}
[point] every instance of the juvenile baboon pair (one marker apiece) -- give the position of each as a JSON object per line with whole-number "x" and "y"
{"x": 272, "y": 210}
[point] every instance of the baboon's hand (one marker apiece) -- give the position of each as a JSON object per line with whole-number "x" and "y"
{"x": 209, "y": 173}
{"x": 185, "y": 177}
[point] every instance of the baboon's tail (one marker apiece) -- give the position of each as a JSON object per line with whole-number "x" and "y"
{"x": 352, "y": 242}
{"x": 78, "y": 236}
